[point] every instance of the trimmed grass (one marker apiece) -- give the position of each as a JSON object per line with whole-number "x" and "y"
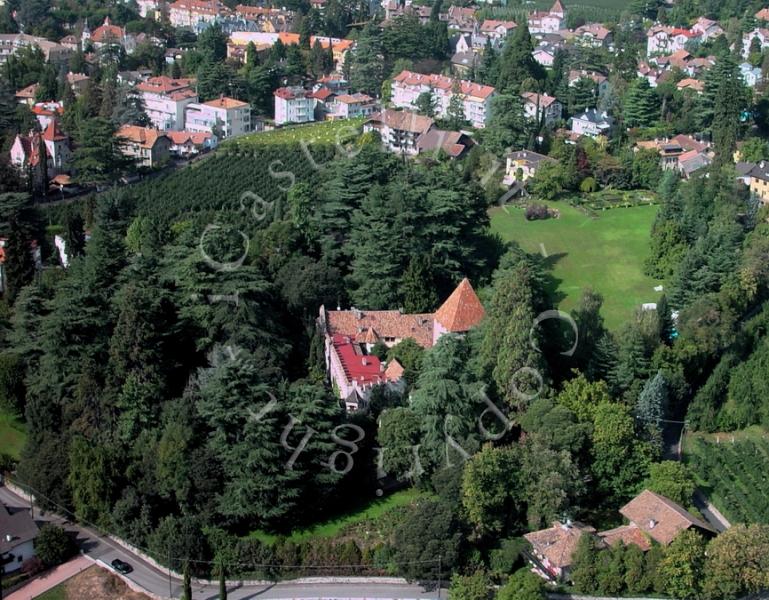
{"x": 55, "y": 593}
{"x": 605, "y": 252}
{"x": 322, "y": 132}
{"x": 334, "y": 526}
{"x": 13, "y": 434}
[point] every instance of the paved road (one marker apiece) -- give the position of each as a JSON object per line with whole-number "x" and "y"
{"x": 157, "y": 583}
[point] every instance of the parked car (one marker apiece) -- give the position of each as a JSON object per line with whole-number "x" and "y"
{"x": 121, "y": 566}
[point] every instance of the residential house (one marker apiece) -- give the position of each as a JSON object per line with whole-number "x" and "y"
{"x": 27, "y": 95}
{"x": 694, "y": 85}
{"x": 552, "y": 549}
{"x": 548, "y": 21}
{"x": 495, "y": 32}
{"x": 592, "y": 123}
{"x": 464, "y": 63}
{"x": 662, "y": 39}
{"x": 476, "y": 98}
{"x": 453, "y": 143}
{"x": 758, "y": 33}
{"x": 679, "y": 58}
{"x": 189, "y": 13}
{"x": 165, "y": 100}
{"x": 107, "y": 35}
{"x": 11, "y": 43}
{"x": 399, "y": 130}
{"x": 681, "y": 153}
{"x": 462, "y": 19}
{"x": 651, "y": 74}
{"x": 750, "y": 75}
{"x": 294, "y": 105}
{"x": 759, "y": 181}
{"x": 26, "y": 150}
{"x": 147, "y": 146}
{"x": 348, "y": 106}
{"x": 225, "y": 117}
{"x": 539, "y": 107}
{"x": 153, "y": 9}
{"x": 762, "y": 15}
{"x": 601, "y": 81}
{"x": 522, "y": 165}
{"x": 544, "y": 54}
{"x": 351, "y": 334}
{"x": 70, "y": 42}
{"x": 16, "y": 524}
{"x": 593, "y": 35}
{"x": 78, "y": 82}
{"x": 660, "y": 518}
{"x": 45, "y": 112}
{"x": 186, "y": 144}
{"x": 707, "y": 29}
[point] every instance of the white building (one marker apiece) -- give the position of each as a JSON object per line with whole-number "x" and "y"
{"x": 750, "y": 75}
{"x": 759, "y": 33}
{"x": 188, "y": 13}
{"x": 166, "y": 99}
{"x": 707, "y": 29}
{"x": 662, "y": 39}
{"x": 476, "y": 98}
{"x": 232, "y": 116}
{"x": 26, "y": 150}
{"x": 18, "y": 535}
{"x": 349, "y": 106}
{"x": 544, "y": 54}
{"x": 11, "y": 43}
{"x": 294, "y": 105}
{"x": 592, "y": 123}
{"x": 399, "y": 130}
{"x": 541, "y": 106}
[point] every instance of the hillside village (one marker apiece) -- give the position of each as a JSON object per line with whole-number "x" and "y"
{"x": 468, "y": 295}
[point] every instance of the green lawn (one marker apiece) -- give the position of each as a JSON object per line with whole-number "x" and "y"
{"x": 12, "y": 434}
{"x": 55, "y": 593}
{"x": 605, "y": 252}
{"x": 334, "y": 526}
{"x": 322, "y": 132}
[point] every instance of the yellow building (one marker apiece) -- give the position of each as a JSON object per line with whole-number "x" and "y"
{"x": 759, "y": 181}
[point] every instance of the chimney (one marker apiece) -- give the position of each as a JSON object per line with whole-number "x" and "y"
{"x": 652, "y": 523}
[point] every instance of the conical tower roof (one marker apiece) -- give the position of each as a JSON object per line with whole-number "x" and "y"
{"x": 462, "y": 310}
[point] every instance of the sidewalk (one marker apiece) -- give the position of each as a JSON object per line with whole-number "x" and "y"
{"x": 43, "y": 583}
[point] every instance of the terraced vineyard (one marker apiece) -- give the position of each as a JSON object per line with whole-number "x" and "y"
{"x": 731, "y": 470}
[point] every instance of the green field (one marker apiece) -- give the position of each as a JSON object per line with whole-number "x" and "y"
{"x": 333, "y": 527}
{"x": 323, "y": 132}
{"x": 12, "y": 434}
{"x": 605, "y": 252}
{"x": 730, "y": 469}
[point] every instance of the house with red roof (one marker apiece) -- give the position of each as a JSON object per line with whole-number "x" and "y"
{"x": 294, "y": 105}
{"x": 186, "y": 144}
{"x": 538, "y": 107}
{"x": 476, "y": 98}
{"x": 663, "y": 39}
{"x": 228, "y": 116}
{"x": 27, "y": 151}
{"x": 148, "y": 147}
{"x": 351, "y": 334}
{"x": 549, "y": 21}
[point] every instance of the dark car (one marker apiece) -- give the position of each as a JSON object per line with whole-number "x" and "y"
{"x": 121, "y": 566}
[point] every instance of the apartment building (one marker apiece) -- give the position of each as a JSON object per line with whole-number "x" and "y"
{"x": 476, "y": 98}
{"x": 294, "y": 105}
{"x": 231, "y": 116}
{"x": 166, "y": 99}
{"x": 189, "y": 13}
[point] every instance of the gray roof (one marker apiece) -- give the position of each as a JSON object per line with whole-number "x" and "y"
{"x": 18, "y": 524}
{"x": 530, "y": 156}
{"x": 744, "y": 168}
{"x": 760, "y": 171}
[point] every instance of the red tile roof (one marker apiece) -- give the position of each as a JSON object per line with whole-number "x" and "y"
{"x": 106, "y": 31}
{"x": 542, "y": 100}
{"x": 384, "y": 323}
{"x": 53, "y": 133}
{"x": 146, "y": 137}
{"x": 225, "y": 102}
{"x": 462, "y": 310}
{"x": 164, "y": 85}
{"x": 442, "y": 82}
{"x": 660, "y": 517}
{"x": 558, "y": 543}
{"x": 626, "y": 534}
{"x": 364, "y": 369}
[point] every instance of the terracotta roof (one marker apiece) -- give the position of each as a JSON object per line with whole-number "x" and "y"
{"x": 453, "y": 143}
{"x": 386, "y": 323}
{"x": 184, "y": 137}
{"x": 557, "y": 7}
{"x": 403, "y": 120}
{"x": 462, "y": 310}
{"x": 394, "y": 370}
{"x": 225, "y": 102}
{"x": 205, "y": 7}
{"x": 692, "y": 84}
{"x": 291, "y": 93}
{"x": 491, "y": 24}
{"x": 53, "y": 133}
{"x": 164, "y": 85}
{"x": 595, "y": 29}
{"x": 763, "y": 14}
{"x": 575, "y": 75}
{"x": 353, "y": 98}
{"x": 660, "y": 517}
{"x": 108, "y": 30}
{"x": 146, "y": 137}
{"x": 322, "y": 93}
{"x": 443, "y": 82}
{"x": 558, "y": 543}
{"x": 364, "y": 369}
{"x": 28, "y": 92}
{"x": 542, "y": 100}
{"x": 626, "y": 534}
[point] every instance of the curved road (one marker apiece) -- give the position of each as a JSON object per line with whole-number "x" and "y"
{"x": 156, "y": 583}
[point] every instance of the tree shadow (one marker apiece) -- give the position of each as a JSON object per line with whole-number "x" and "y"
{"x": 553, "y": 283}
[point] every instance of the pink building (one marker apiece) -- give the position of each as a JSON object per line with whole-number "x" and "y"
{"x": 551, "y": 21}
{"x": 476, "y": 98}
{"x": 25, "y": 152}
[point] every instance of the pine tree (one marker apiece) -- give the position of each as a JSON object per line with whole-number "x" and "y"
{"x": 426, "y": 103}
{"x": 728, "y": 102}
{"x": 665, "y": 316}
{"x": 19, "y": 264}
{"x": 641, "y": 105}
{"x": 517, "y": 62}
{"x": 418, "y": 286}
{"x": 455, "y": 112}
